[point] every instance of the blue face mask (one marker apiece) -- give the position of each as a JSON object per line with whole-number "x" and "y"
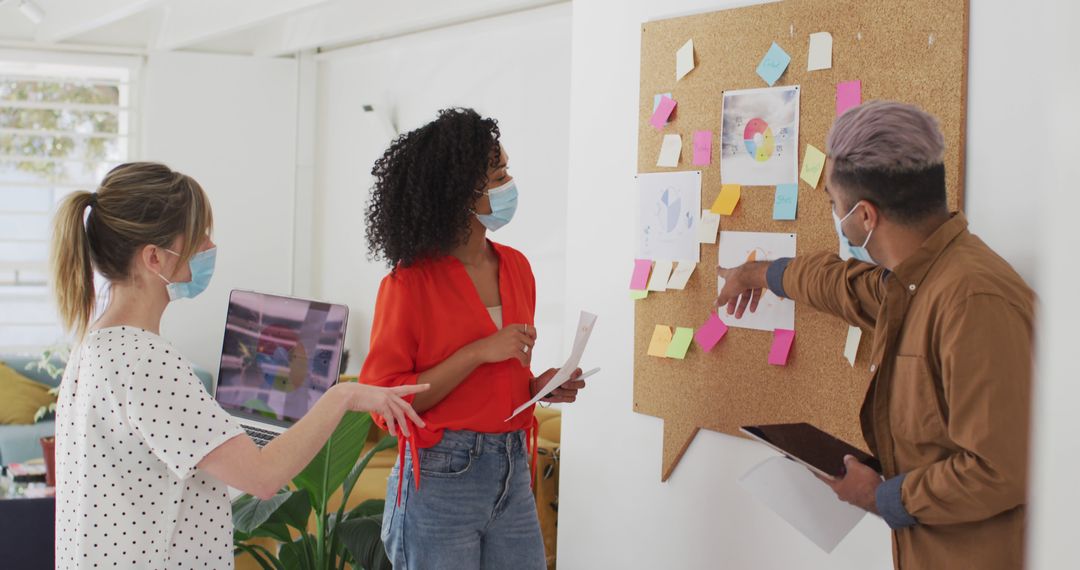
{"x": 858, "y": 252}
{"x": 503, "y": 205}
{"x": 202, "y": 270}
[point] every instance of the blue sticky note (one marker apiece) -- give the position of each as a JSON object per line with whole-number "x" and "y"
{"x": 774, "y": 63}
{"x": 786, "y": 203}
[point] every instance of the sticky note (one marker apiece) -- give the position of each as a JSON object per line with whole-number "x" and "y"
{"x": 781, "y": 346}
{"x": 851, "y": 346}
{"x": 774, "y": 63}
{"x": 820, "y": 54}
{"x": 708, "y": 225}
{"x": 702, "y": 148}
{"x": 639, "y": 281}
{"x": 684, "y": 60}
{"x": 710, "y": 333}
{"x": 786, "y": 202}
{"x": 726, "y": 201}
{"x": 660, "y": 274}
{"x": 656, "y": 103}
{"x": 680, "y": 342}
{"x": 681, "y": 275}
{"x": 670, "y": 150}
{"x": 813, "y": 163}
{"x": 661, "y": 338}
{"x": 638, "y": 295}
{"x": 848, "y": 95}
{"x": 662, "y": 112}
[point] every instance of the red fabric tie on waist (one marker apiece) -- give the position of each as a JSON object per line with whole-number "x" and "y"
{"x": 401, "y": 459}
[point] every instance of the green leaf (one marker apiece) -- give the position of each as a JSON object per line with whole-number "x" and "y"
{"x": 362, "y": 538}
{"x": 369, "y": 508}
{"x": 295, "y": 512}
{"x": 293, "y": 555}
{"x": 332, "y": 464}
{"x": 275, "y": 530}
{"x": 250, "y": 512}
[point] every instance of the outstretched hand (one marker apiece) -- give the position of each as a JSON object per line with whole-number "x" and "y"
{"x": 743, "y": 286}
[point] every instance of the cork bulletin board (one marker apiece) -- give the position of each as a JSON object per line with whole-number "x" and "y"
{"x": 913, "y": 51}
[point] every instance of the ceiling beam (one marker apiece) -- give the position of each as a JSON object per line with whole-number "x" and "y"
{"x": 84, "y": 16}
{"x": 354, "y": 22}
{"x": 189, "y": 22}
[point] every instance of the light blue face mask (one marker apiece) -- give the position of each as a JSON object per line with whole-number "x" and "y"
{"x": 503, "y": 201}
{"x": 202, "y": 270}
{"x": 858, "y": 252}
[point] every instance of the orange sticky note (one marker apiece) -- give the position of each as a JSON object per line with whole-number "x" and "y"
{"x": 726, "y": 201}
{"x": 661, "y": 338}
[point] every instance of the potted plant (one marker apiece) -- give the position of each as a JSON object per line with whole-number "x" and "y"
{"x": 341, "y": 537}
{"x": 52, "y": 362}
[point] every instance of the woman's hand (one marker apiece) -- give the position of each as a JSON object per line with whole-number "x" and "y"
{"x": 513, "y": 341}
{"x": 387, "y": 402}
{"x": 564, "y": 394}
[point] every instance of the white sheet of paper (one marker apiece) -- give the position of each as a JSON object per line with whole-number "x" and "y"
{"x": 804, "y": 502}
{"x": 759, "y": 136}
{"x": 586, "y": 321}
{"x": 708, "y": 226}
{"x": 682, "y": 274}
{"x": 737, "y": 248}
{"x": 851, "y": 346}
{"x": 684, "y": 60}
{"x": 668, "y": 206}
{"x": 670, "y": 150}
{"x": 661, "y": 272}
{"x": 820, "y": 55}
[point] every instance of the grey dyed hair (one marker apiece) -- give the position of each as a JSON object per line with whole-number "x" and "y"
{"x": 885, "y": 136}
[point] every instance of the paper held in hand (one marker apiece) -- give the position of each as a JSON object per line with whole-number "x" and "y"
{"x": 584, "y": 329}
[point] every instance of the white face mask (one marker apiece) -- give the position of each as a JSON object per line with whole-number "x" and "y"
{"x": 858, "y": 252}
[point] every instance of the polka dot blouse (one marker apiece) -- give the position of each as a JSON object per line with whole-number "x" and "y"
{"x": 132, "y": 422}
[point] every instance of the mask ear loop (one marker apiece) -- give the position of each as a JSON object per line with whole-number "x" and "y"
{"x": 848, "y": 215}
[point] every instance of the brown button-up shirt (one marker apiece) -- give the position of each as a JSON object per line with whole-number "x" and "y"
{"x": 950, "y": 387}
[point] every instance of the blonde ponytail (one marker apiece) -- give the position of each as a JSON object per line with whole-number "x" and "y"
{"x": 72, "y": 271}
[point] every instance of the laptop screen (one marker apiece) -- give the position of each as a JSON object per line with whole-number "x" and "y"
{"x": 280, "y": 354}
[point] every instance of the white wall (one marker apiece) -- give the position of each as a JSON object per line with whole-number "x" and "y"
{"x": 229, "y": 122}
{"x": 614, "y": 511}
{"x": 514, "y": 68}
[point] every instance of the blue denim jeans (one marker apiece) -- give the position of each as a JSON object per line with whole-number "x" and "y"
{"x": 474, "y": 509}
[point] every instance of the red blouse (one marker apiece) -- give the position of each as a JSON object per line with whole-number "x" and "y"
{"x": 427, "y": 312}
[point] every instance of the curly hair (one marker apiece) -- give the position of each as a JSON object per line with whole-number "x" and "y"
{"x": 426, "y": 184}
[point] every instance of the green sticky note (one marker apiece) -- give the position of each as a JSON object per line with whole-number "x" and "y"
{"x": 638, "y": 295}
{"x": 680, "y": 342}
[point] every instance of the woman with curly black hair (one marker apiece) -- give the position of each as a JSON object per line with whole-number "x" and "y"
{"x": 456, "y": 312}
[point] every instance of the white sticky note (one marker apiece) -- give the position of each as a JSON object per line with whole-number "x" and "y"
{"x": 851, "y": 347}
{"x": 684, "y": 60}
{"x": 660, "y": 274}
{"x": 810, "y": 506}
{"x": 820, "y": 55}
{"x": 708, "y": 226}
{"x": 670, "y": 151}
{"x": 681, "y": 276}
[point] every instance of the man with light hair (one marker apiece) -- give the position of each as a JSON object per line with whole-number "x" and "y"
{"x": 947, "y": 406}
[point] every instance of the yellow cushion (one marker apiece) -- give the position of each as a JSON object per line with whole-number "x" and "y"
{"x": 20, "y": 397}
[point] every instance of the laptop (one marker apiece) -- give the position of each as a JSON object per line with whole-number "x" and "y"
{"x": 278, "y": 357}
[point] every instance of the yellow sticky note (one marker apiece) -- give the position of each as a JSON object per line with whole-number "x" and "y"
{"x": 813, "y": 163}
{"x": 680, "y": 343}
{"x": 661, "y": 338}
{"x": 726, "y": 201}
{"x": 638, "y": 295}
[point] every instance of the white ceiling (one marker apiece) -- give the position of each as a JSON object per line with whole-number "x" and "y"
{"x": 254, "y": 27}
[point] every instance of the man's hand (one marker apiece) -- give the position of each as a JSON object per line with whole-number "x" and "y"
{"x": 743, "y": 286}
{"x": 565, "y": 393}
{"x": 858, "y": 487}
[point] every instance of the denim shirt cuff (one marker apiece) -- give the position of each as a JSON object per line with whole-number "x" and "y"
{"x": 890, "y": 505}
{"x": 774, "y": 276}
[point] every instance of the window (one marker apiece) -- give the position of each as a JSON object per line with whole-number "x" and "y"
{"x": 64, "y": 122}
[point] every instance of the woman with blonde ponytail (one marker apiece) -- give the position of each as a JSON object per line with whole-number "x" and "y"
{"x": 143, "y": 453}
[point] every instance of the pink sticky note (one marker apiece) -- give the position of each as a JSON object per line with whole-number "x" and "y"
{"x": 662, "y": 112}
{"x": 848, "y": 95}
{"x": 640, "y": 280}
{"x": 781, "y": 346}
{"x": 710, "y": 333}
{"x": 702, "y": 147}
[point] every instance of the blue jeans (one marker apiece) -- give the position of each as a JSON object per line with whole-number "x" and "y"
{"x": 474, "y": 509}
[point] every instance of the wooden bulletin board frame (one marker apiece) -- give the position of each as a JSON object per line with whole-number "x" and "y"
{"x": 913, "y": 51}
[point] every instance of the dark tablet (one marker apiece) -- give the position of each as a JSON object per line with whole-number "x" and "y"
{"x": 808, "y": 445}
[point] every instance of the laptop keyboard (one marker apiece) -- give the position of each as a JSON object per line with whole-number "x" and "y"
{"x": 261, "y": 437}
